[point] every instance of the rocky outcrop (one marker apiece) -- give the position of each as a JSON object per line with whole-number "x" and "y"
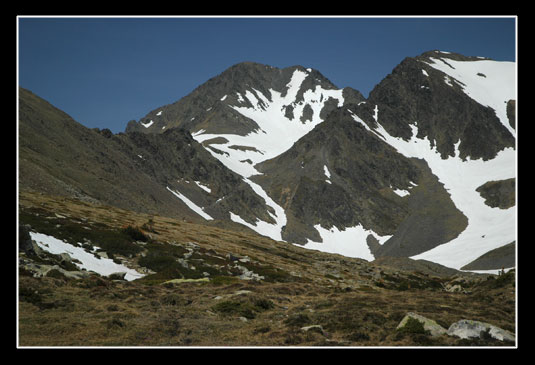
{"x": 429, "y": 325}
{"x": 415, "y": 91}
{"x": 464, "y": 329}
{"x": 499, "y": 194}
{"x": 467, "y": 329}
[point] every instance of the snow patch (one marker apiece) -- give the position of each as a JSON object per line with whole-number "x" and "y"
{"x": 88, "y": 260}
{"x": 195, "y": 134}
{"x": 147, "y": 125}
{"x": 327, "y": 173}
{"x": 203, "y": 186}
{"x": 402, "y": 193}
{"x": 159, "y": 113}
{"x": 350, "y": 242}
{"x": 191, "y": 205}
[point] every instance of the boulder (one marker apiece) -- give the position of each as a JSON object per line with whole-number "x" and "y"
{"x": 466, "y": 329}
{"x": 429, "y": 325}
{"x": 117, "y": 275}
{"x": 25, "y": 240}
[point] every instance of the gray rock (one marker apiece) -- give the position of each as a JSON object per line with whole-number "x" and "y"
{"x": 466, "y": 329}
{"x": 65, "y": 257}
{"x": 25, "y": 240}
{"x": 454, "y": 288}
{"x": 429, "y": 325}
{"x": 313, "y": 328}
{"x": 117, "y": 275}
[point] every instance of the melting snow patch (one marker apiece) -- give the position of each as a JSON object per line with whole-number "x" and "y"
{"x": 350, "y": 242}
{"x": 203, "y": 186}
{"x": 401, "y": 193}
{"x": 195, "y": 134}
{"x": 327, "y": 173}
{"x": 88, "y": 260}
{"x": 159, "y": 113}
{"x": 191, "y": 205}
{"x": 147, "y": 125}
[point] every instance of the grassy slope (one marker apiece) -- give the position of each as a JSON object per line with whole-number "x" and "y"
{"x": 355, "y": 302}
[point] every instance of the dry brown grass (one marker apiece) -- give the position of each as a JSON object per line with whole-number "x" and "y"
{"x": 308, "y": 288}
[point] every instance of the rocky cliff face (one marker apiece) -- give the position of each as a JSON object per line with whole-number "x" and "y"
{"x": 421, "y": 90}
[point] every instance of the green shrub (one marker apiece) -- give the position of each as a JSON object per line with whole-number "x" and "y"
{"x": 413, "y": 326}
{"x": 230, "y": 307}
{"x": 135, "y": 234}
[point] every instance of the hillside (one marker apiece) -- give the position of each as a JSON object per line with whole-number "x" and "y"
{"x": 231, "y": 288}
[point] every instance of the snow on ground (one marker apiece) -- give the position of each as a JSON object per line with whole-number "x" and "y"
{"x": 203, "y": 186}
{"x": 487, "y": 82}
{"x": 147, "y": 125}
{"x": 401, "y": 192}
{"x": 488, "y": 228}
{"x": 327, "y": 173}
{"x": 88, "y": 260}
{"x": 272, "y": 231}
{"x": 191, "y": 204}
{"x": 350, "y": 242}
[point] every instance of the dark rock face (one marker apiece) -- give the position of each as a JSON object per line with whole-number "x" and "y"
{"x": 501, "y": 257}
{"x": 499, "y": 194}
{"x": 364, "y": 172}
{"x": 25, "y": 240}
{"x": 433, "y": 219}
{"x": 511, "y": 113}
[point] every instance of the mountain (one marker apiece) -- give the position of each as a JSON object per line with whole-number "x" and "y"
{"x": 134, "y": 171}
{"x": 422, "y": 168}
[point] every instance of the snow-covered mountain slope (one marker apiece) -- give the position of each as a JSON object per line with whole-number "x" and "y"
{"x": 277, "y": 131}
{"x": 487, "y": 82}
{"x": 488, "y": 228}
{"x": 450, "y": 112}
{"x": 281, "y": 117}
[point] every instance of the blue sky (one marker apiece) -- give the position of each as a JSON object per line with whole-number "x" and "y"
{"x": 104, "y": 72}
